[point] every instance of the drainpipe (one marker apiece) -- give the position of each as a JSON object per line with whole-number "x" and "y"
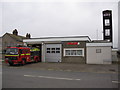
{"x": 43, "y": 52}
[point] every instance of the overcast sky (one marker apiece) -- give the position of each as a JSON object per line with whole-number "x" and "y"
{"x": 45, "y": 18}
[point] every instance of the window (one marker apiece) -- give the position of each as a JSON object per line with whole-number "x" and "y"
{"x": 107, "y": 14}
{"x": 26, "y": 51}
{"x": 48, "y": 48}
{"x": 48, "y": 51}
{"x": 67, "y": 52}
{"x": 79, "y": 52}
{"x": 74, "y": 52}
{"x": 98, "y": 50}
{"x": 12, "y": 51}
{"x": 57, "y": 48}
{"x": 107, "y": 32}
{"x": 57, "y": 51}
{"x": 21, "y": 51}
{"x": 107, "y": 22}
{"x": 53, "y": 50}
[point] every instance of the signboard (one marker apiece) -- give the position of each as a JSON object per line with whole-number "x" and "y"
{"x": 73, "y": 43}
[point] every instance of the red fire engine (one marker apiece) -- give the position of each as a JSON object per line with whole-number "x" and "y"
{"x": 22, "y": 55}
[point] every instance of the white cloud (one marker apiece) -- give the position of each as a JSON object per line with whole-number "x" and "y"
{"x": 0, "y": 18}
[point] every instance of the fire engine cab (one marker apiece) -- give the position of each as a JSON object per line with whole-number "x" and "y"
{"x": 22, "y": 55}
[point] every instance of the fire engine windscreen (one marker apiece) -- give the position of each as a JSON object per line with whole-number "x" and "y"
{"x": 12, "y": 51}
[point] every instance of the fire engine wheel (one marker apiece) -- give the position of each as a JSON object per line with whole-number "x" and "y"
{"x": 36, "y": 60}
{"x": 23, "y": 62}
{"x": 10, "y": 64}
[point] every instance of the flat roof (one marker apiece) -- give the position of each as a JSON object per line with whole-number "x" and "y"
{"x": 98, "y": 44}
{"x": 56, "y": 39}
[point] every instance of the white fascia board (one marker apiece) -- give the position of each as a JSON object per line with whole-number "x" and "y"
{"x": 56, "y": 39}
{"x": 98, "y": 44}
{"x": 114, "y": 49}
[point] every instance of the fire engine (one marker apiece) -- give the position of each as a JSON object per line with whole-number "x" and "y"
{"x": 22, "y": 55}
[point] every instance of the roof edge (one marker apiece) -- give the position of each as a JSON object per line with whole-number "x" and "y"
{"x": 61, "y": 37}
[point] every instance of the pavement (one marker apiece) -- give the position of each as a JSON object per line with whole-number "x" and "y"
{"x": 112, "y": 68}
{"x": 77, "y": 67}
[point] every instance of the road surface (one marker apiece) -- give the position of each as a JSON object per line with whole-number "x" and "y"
{"x": 16, "y": 77}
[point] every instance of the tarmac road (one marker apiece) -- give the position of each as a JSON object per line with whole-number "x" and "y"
{"x": 18, "y": 77}
{"x": 0, "y": 77}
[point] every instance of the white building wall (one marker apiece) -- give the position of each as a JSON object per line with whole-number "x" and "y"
{"x": 43, "y": 52}
{"x": 98, "y": 58}
{"x": 114, "y": 55}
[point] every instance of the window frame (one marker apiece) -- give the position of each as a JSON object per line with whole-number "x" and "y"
{"x": 107, "y": 32}
{"x": 72, "y": 49}
{"x": 52, "y": 50}
{"x": 107, "y": 22}
{"x": 98, "y": 50}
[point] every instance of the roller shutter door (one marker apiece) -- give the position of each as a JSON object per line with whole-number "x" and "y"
{"x": 53, "y": 53}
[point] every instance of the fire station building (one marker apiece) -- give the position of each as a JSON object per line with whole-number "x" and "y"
{"x": 75, "y": 49}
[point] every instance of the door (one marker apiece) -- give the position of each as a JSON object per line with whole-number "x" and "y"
{"x": 53, "y": 53}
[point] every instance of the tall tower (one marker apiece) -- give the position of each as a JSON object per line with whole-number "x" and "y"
{"x": 107, "y": 25}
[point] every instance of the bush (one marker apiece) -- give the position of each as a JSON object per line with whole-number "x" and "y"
{"x": 118, "y": 53}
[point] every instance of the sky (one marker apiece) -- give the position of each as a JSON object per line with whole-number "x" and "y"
{"x": 53, "y": 18}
